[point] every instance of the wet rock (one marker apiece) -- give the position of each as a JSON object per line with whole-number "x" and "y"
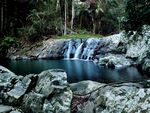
{"x": 84, "y": 87}
{"x": 33, "y": 103}
{"x": 146, "y": 66}
{"x": 50, "y": 81}
{"x": 53, "y": 85}
{"x": 89, "y": 107}
{"x": 138, "y": 48}
{"x": 138, "y": 45}
{"x": 52, "y": 94}
{"x": 115, "y": 61}
{"x": 5, "y": 109}
{"x": 6, "y": 76}
{"x": 47, "y": 49}
{"x": 47, "y": 92}
{"x": 19, "y": 89}
{"x": 59, "y": 103}
{"x": 6, "y": 79}
{"x": 118, "y": 98}
{"x": 15, "y": 111}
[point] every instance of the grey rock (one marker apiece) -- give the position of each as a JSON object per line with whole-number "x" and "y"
{"x": 52, "y": 94}
{"x": 15, "y": 111}
{"x": 47, "y": 92}
{"x": 32, "y": 102}
{"x": 89, "y": 107}
{"x": 51, "y": 49}
{"x": 138, "y": 48}
{"x": 51, "y": 80}
{"x": 85, "y": 87}
{"x": 5, "y": 70}
{"x": 117, "y": 98}
{"x": 146, "y": 66}
{"x": 53, "y": 85}
{"x": 59, "y": 103}
{"x": 19, "y": 89}
{"x": 115, "y": 61}
{"x": 6, "y": 76}
{"x": 5, "y": 109}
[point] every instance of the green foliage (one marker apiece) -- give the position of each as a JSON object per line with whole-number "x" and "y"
{"x": 80, "y": 34}
{"x": 138, "y": 14}
{"x": 114, "y": 11}
{"x": 107, "y": 15}
{"x": 43, "y": 21}
{"x": 6, "y": 43}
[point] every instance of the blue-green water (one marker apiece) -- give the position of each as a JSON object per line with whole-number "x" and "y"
{"x": 77, "y": 70}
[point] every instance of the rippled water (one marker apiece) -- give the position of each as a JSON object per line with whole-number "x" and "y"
{"x": 77, "y": 70}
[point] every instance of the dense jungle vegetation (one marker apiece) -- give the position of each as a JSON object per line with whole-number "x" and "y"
{"x": 34, "y": 20}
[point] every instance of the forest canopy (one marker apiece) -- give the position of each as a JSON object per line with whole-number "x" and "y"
{"x": 137, "y": 14}
{"x": 37, "y": 18}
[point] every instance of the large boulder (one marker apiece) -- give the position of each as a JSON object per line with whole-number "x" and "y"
{"x": 50, "y": 95}
{"x": 51, "y": 49}
{"x": 51, "y": 81}
{"x": 138, "y": 48}
{"x": 115, "y": 61}
{"x": 60, "y": 103}
{"x": 6, "y": 76}
{"x": 47, "y": 49}
{"x": 85, "y": 87}
{"x": 5, "y": 109}
{"x": 114, "y": 98}
{"x": 145, "y": 65}
{"x": 6, "y": 79}
{"x": 47, "y": 92}
{"x": 19, "y": 89}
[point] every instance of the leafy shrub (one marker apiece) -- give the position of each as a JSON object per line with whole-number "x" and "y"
{"x": 43, "y": 21}
{"x": 138, "y": 14}
{"x": 6, "y": 43}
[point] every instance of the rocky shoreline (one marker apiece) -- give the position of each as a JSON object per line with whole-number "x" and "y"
{"x": 49, "y": 92}
{"x": 116, "y": 51}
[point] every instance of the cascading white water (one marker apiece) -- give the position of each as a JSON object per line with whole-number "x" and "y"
{"x": 91, "y": 45}
{"x": 78, "y": 51}
{"x": 91, "y": 51}
{"x": 82, "y": 52}
{"x": 89, "y": 54}
{"x": 69, "y": 49}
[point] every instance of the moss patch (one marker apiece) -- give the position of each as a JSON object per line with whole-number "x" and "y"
{"x": 80, "y": 36}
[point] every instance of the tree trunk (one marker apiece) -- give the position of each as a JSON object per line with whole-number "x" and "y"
{"x": 2, "y": 18}
{"x": 5, "y": 14}
{"x": 73, "y": 14}
{"x": 94, "y": 25}
{"x": 65, "y": 29}
{"x": 57, "y": 5}
{"x": 81, "y": 19}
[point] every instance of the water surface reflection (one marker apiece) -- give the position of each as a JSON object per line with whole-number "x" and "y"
{"x": 77, "y": 70}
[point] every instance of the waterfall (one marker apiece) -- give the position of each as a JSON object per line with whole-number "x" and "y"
{"x": 78, "y": 51}
{"x": 76, "y": 48}
{"x": 89, "y": 54}
{"x": 69, "y": 49}
{"x": 90, "y": 46}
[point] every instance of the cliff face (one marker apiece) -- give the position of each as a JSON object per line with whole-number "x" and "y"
{"x": 138, "y": 48}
